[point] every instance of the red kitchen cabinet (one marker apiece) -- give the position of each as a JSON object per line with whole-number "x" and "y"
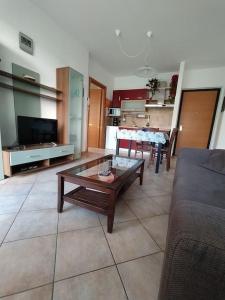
{"x": 137, "y": 94}
{"x": 134, "y": 94}
{"x": 116, "y": 101}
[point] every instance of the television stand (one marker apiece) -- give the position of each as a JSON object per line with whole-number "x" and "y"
{"x": 36, "y": 157}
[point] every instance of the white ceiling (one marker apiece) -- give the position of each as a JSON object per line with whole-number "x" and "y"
{"x": 191, "y": 30}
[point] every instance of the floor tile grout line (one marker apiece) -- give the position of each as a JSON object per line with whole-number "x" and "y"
{"x": 109, "y": 266}
{"x": 23, "y": 291}
{"x": 36, "y": 210}
{"x": 139, "y": 257}
{"x": 52, "y": 234}
{"x": 56, "y": 244}
{"x": 30, "y": 238}
{"x": 81, "y": 274}
{"x": 139, "y": 220}
{"x": 84, "y": 273}
{"x": 114, "y": 261}
{"x": 17, "y": 214}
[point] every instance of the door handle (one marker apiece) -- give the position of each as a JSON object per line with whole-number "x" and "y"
{"x": 180, "y": 128}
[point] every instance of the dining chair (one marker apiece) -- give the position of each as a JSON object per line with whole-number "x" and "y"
{"x": 166, "y": 151}
{"x": 144, "y": 146}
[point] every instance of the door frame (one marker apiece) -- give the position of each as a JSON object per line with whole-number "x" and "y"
{"x": 214, "y": 113}
{"x": 102, "y": 127}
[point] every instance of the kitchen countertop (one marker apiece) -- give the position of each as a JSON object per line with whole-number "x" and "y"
{"x": 140, "y": 128}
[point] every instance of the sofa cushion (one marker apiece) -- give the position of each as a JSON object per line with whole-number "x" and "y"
{"x": 194, "y": 265}
{"x": 216, "y": 161}
{"x": 195, "y": 183}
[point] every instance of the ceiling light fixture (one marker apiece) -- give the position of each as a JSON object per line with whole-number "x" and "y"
{"x": 145, "y": 71}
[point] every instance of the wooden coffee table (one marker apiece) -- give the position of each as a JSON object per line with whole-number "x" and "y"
{"x": 96, "y": 191}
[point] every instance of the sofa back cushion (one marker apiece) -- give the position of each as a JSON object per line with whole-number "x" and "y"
{"x": 216, "y": 161}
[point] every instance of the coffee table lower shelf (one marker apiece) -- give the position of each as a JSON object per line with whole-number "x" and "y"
{"x": 94, "y": 200}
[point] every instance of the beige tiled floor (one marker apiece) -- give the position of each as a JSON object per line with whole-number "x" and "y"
{"x": 45, "y": 255}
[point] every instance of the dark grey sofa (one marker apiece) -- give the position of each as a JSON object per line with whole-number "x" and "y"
{"x": 194, "y": 263}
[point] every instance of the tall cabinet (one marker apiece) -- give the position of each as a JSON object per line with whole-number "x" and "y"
{"x": 70, "y": 109}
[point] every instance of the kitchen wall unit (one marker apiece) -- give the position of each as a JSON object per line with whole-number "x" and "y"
{"x": 70, "y": 109}
{"x": 133, "y": 106}
{"x": 134, "y": 94}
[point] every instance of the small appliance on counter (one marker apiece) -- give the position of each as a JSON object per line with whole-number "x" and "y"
{"x": 116, "y": 121}
{"x": 114, "y": 112}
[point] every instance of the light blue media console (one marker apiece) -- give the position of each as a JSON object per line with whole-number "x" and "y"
{"x": 35, "y": 158}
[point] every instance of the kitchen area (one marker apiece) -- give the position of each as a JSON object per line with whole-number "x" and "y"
{"x": 147, "y": 109}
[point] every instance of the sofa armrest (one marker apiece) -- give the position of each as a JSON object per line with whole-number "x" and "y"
{"x": 194, "y": 262}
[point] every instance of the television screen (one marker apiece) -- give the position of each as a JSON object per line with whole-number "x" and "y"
{"x": 36, "y": 130}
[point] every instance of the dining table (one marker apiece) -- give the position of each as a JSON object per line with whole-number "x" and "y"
{"x": 159, "y": 138}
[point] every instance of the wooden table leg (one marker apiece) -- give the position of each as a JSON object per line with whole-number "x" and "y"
{"x": 142, "y": 173}
{"x": 110, "y": 218}
{"x": 117, "y": 146}
{"x": 158, "y": 158}
{"x": 60, "y": 193}
{"x": 129, "y": 148}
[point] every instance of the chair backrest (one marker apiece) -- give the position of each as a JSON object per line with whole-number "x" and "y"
{"x": 153, "y": 129}
{"x": 172, "y": 139}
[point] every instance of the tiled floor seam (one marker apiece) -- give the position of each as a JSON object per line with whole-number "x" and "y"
{"x": 70, "y": 277}
{"x": 139, "y": 220}
{"x": 139, "y": 257}
{"x": 56, "y": 242}
{"x": 114, "y": 262}
{"x": 51, "y": 234}
{"x": 23, "y": 291}
{"x": 17, "y": 214}
{"x": 81, "y": 274}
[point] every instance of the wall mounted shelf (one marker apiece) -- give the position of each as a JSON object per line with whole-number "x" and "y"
{"x": 11, "y": 87}
{"x": 162, "y": 88}
{"x": 21, "y": 79}
{"x": 159, "y": 105}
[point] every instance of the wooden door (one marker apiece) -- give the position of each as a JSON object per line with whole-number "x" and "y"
{"x": 94, "y": 124}
{"x": 198, "y": 108}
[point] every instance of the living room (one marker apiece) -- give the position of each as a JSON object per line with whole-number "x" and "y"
{"x": 63, "y": 234}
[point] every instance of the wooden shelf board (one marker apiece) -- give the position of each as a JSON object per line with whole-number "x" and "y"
{"x": 18, "y": 78}
{"x": 160, "y": 105}
{"x": 10, "y": 87}
{"x": 44, "y": 166}
{"x": 162, "y": 88}
{"x": 88, "y": 198}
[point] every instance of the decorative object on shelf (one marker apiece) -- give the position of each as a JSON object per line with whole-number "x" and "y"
{"x": 148, "y": 123}
{"x": 173, "y": 86}
{"x": 29, "y": 82}
{"x": 154, "y": 85}
{"x": 26, "y": 43}
{"x": 145, "y": 71}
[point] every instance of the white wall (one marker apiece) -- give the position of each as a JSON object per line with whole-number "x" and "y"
{"x": 178, "y": 95}
{"x": 52, "y": 48}
{"x": 97, "y": 72}
{"x": 134, "y": 82}
{"x": 210, "y": 78}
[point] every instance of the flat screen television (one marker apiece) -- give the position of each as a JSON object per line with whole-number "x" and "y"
{"x": 36, "y": 130}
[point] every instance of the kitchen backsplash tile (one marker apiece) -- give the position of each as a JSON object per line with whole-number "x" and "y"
{"x": 159, "y": 118}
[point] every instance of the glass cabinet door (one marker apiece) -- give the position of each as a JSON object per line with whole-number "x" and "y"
{"x": 75, "y": 117}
